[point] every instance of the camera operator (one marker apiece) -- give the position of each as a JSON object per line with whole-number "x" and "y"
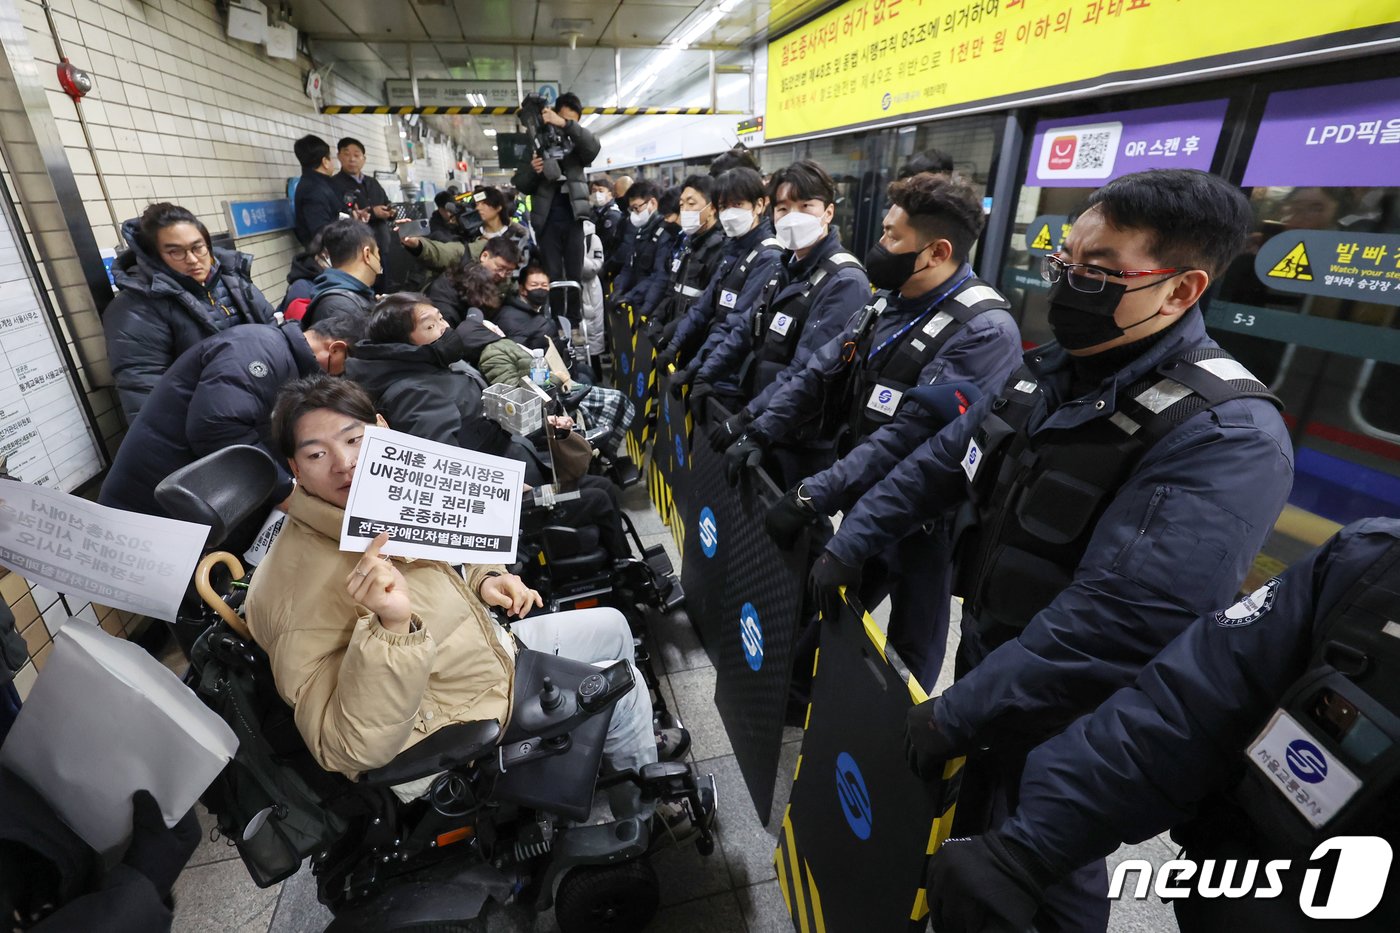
{"x": 557, "y": 187}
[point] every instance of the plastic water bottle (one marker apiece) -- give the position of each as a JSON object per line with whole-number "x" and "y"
{"x": 539, "y": 369}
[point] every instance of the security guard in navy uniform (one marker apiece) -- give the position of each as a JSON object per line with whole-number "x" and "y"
{"x": 934, "y": 323}
{"x": 805, "y": 306}
{"x": 1264, "y": 730}
{"x": 752, "y": 255}
{"x": 651, "y": 236}
{"x": 694, "y": 258}
{"x": 1117, "y": 487}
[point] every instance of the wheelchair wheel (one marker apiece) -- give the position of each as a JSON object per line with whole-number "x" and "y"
{"x": 607, "y": 898}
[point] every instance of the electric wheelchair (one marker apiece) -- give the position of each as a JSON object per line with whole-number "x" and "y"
{"x": 505, "y": 814}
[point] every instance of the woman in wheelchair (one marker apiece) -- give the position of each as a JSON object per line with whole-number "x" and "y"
{"x": 375, "y": 654}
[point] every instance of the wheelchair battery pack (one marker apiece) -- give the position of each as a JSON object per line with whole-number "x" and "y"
{"x": 561, "y": 784}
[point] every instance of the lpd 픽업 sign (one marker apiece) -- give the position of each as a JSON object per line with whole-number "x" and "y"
{"x": 436, "y": 501}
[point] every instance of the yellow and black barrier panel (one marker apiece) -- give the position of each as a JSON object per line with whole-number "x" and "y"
{"x": 641, "y": 389}
{"x": 621, "y": 342}
{"x": 853, "y": 852}
{"x": 744, "y": 596}
{"x": 670, "y": 454}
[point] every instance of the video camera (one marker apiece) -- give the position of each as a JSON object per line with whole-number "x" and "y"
{"x": 467, "y": 216}
{"x": 548, "y": 142}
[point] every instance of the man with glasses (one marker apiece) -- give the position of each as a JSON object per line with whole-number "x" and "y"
{"x": 1118, "y": 487}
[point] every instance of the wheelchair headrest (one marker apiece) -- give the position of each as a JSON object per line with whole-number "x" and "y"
{"x": 220, "y": 490}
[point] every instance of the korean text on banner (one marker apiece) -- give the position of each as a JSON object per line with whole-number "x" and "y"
{"x": 436, "y": 501}
{"x": 1342, "y": 135}
{"x": 1088, "y": 152}
{"x": 105, "y": 720}
{"x": 869, "y": 61}
{"x": 138, "y": 563}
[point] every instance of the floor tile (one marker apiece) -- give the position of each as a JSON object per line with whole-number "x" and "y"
{"x": 220, "y": 896}
{"x": 211, "y": 849}
{"x": 764, "y": 909}
{"x": 718, "y": 913}
{"x": 748, "y": 848}
{"x": 695, "y": 698}
{"x": 685, "y": 874}
{"x": 298, "y": 911}
{"x": 1151, "y": 914}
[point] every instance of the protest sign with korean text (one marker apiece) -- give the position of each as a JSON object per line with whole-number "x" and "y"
{"x": 138, "y": 563}
{"x": 436, "y": 501}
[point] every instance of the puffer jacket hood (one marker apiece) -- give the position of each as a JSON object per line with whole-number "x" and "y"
{"x": 141, "y": 272}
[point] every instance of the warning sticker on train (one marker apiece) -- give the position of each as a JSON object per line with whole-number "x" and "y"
{"x": 1335, "y": 263}
{"x": 436, "y": 501}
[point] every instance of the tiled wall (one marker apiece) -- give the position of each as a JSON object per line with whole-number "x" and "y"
{"x": 178, "y": 112}
{"x": 181, "y": 112}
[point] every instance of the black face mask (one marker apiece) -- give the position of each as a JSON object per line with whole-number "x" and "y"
{"x": 537, "y": 297}
{"x": 890, "y": 270}
{"x": 1080, "y": 320}
{"x": 448, "y": 349}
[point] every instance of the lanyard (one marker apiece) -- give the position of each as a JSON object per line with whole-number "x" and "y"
{"x": 922, "y": 314}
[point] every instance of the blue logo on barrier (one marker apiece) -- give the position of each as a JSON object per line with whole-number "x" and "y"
{"x": 1307, "y": 761}
{"x": 751, "y": 635}
{"x": 885, "y": 396}
{"x": 855, "y": 799}
{"x": 885, "y": 102}
{"x": 709, "y": 532}
{"x": 626, "y": 362}
{"x": 680, "y": 450}
{"x": 641, "y": 384}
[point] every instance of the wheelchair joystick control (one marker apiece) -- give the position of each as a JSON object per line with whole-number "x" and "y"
{"x": 551, "y": 697}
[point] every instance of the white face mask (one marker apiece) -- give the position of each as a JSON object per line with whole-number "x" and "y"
{"x": 736, "y": 221}
{"x": 690, "y": 221}
{"x": 798, "y": 230}
{"x": 601, "y": 199}
{"x": 641, "y": 218}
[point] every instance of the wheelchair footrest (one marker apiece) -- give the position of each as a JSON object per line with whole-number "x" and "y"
{"x": 624, "y": 472}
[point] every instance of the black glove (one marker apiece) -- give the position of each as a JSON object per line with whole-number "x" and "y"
{"x": 787, "y": 517}
{"x": 745, "y": 454}
{"x": 666, "y": 358}
{"x": 828, "y": 574}
{"x": 155, "y": 851}
{"x": 925, "y": 745}
{"x": 699, "y": 392}
{"x": 655, "y": 330}
{"x": 728, "y": 431}
{"x": 984, "y": 884}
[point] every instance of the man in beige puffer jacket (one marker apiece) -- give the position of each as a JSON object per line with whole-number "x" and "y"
{"x": 374, "y": 654}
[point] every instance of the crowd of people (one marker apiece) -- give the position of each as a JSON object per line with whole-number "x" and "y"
{"x": 1094, "y": 502}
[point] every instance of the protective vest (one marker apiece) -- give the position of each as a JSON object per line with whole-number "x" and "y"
{"x": 778, "y": 325}
{"x": 1034, "y": 500}
{"x": 690, "y": 267}
{"x": 727, "y": 295}
{"x": 645, "y": 246}
{"x": 1327, "y": 763}
{"x": 882, "y": 375}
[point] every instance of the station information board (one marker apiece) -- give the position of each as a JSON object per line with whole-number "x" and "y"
{"x": 869, "y": 62}
{"x": 44, "y": 430}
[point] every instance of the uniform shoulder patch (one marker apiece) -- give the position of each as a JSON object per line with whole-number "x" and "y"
{"x": 1250, "y": 608}
{"x": 258, "y": 369}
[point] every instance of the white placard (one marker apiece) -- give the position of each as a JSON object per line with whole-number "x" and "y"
{"x": 437, "y": 501}
{"x": 105, "y": 720}
{"x": 139, "y": 563}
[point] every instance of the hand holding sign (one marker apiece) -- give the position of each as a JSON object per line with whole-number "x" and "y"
{"x": 376, "y": 584}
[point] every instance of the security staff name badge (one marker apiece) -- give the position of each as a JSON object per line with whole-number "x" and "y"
{"x": 972, "y": 460}
{"x": 728, "y": 299}
{"x": 780, "y": 324}
{"x": 935, "y": 325}
{"x": 884, "y": 400}
{"x": 1297, "y": 766}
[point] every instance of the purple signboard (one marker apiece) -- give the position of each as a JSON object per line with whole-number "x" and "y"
{"x": 1343, "y": 135}
{"x": 1091, "y": 150}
